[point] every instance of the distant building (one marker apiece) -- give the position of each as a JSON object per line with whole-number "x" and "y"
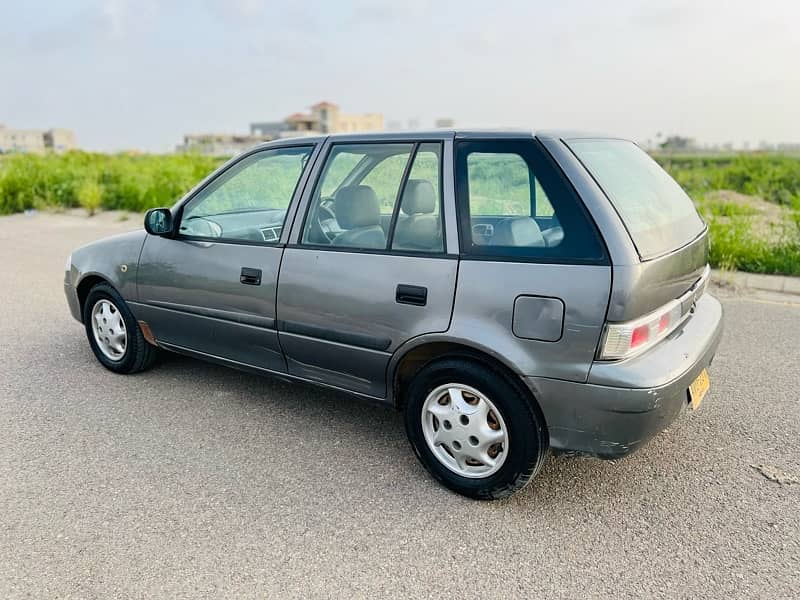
{"x": 445, "y": 123}
{"x": 325, "y": 117}
{"x": 59, "y": 140}
{"x": 788, "y": 147}
{"x": 35, "y": 141}
{"x": 271, "y": 129}
{"x": 219, "y": 144}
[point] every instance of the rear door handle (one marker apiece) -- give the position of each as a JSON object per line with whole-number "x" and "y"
{"x": 250, "y": 276}
{"x": 416, "y": 295}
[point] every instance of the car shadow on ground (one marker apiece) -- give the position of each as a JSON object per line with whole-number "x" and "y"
{"x": 373, "y": 427}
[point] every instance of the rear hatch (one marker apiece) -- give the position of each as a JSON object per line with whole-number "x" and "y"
{"x": 670, "y": 237}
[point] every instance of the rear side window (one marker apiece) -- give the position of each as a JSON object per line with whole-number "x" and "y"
{"x": 384, "y": 196}
{"x": 658, "y": 214}
{"x": 514, "y": 203}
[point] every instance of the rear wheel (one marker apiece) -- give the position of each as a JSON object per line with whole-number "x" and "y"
{"x": 474, "y": 429}
{"x": 114, "y": 335}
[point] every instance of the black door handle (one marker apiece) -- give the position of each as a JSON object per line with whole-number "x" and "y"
{"x": 416, "y": 295}
{"x": 250, "y": 276}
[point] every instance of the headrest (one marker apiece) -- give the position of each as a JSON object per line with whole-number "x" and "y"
{"x": 518, "y": 231}
{"x": 418, "y": 197}
{"x": 357, "y": 206}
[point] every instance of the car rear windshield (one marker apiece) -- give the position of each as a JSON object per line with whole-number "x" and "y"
{"x": 658, "y": 214}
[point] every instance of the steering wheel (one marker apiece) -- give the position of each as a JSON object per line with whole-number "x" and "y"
{"x": 325, "y": 221}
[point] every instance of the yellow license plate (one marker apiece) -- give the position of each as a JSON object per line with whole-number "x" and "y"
{"x": 698, "y": 389}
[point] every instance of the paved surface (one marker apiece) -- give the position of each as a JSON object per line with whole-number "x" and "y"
{"x": 193, "y": 480}
{"x": 755, "y": 282}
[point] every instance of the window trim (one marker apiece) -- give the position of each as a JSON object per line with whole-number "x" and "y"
{"x": 400, "y": 191}
{"x": 415, "y": 143}
{"x": 509, "y": 253}
{"x": 225, "y": 168}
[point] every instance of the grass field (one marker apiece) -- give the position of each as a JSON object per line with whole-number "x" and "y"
{"x": 750, "y": 201}
{"x": 752, "y": 205}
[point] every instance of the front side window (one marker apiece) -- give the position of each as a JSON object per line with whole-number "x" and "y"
{"x": 249, "y": 201}
{"x": 378, "y": 197}
{"x": 513, "y": 203}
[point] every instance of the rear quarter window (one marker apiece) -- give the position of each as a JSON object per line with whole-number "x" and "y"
{"x": 514, "y": 203}
{"x": 658, "y": 214}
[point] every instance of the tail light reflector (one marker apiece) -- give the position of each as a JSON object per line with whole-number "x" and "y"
{"x": 622, "y": 340}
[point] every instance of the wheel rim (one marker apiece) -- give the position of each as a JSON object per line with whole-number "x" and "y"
{"x": 109, "y": 331}
{"x": 464, "y": 430}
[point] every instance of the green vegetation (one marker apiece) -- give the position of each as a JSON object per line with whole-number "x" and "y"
{"x": 126, "y": 182}
{"x": 752, "y": 205}
{"x": 751, "y": 201}
{"x": 773, "y": 177}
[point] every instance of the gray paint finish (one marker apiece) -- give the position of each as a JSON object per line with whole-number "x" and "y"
{"x": 484, "y": 307}
{"x": 639, "y": 286}
{"x": 191, "y": 296}
{"x": 626, "y": 403}
{"x": 643, "y": 287}
{"x": 331, "y": 317}
{"x": 349, "y": 293}
{"x": 114, "y": 259}
{"x": 538, "y": 318}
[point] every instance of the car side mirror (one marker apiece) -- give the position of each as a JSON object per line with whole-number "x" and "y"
{"x": 158, "y": 221}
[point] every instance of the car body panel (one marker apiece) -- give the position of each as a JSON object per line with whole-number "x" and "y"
{"x": 114, "y": 259}
{"x": 625, "y": 403}
{"x": 485, "y": 297}
{"x": 338, "y": 314}
{"x": 643, "y": 287}
{"x": 331, "y": 316}
{"x": 191, "y": 296}
{"x": 639, "y": 286}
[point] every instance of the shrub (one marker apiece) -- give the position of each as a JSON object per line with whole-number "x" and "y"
{"x": 128, "y": 182}
{"x": 90, "y": 195}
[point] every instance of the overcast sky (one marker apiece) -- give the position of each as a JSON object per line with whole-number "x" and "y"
{"x": 141, "y": 73}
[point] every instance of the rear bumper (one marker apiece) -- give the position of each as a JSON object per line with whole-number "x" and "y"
{"x": 625, "y": 403}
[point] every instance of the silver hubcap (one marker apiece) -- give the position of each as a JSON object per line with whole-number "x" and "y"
{"x": 464, "y": 430}
{"x": 109, "y": 329}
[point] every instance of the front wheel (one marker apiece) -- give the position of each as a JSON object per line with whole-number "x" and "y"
{"x": 473, "y": 429}
{"x": 114, "y": 334}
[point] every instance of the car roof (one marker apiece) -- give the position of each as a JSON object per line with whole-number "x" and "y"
{"x": 440, "y": 134}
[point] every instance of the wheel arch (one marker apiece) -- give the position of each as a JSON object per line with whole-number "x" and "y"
{"x": 85, "y": 285}
{"x": 409, "y": 360}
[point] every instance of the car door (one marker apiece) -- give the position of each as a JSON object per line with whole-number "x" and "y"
{"x": 211, "y": 289}
{"x": 351, "y": 289}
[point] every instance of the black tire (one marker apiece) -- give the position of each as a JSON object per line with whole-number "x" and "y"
{"x": 527, "y": 434}
{"x": 138, "y": 355}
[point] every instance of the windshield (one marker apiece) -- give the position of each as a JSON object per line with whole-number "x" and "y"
{"x": 658, "y": 214}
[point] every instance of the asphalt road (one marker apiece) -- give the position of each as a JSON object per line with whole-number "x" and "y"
{"x": 192, "y": 480}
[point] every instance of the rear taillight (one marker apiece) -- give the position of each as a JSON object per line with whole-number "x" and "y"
{"x": 621, "y": 340}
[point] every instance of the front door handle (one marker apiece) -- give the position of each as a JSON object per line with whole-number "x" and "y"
{"x": 416, "y": 295}
{"x": 250, "y": 276}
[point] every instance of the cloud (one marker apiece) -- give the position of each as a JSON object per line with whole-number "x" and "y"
{"x": 248, "y": 8}
{"x": 123, "y": 15}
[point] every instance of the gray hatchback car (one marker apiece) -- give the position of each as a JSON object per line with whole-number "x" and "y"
{"x": 512, "y": 292}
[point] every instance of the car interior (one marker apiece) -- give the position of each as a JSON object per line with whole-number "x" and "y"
{"x": 352, "y": 215}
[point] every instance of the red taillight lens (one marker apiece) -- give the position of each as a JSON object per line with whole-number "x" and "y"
{"x": 640, "y": 335}
{"x": 626, "y": 339}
